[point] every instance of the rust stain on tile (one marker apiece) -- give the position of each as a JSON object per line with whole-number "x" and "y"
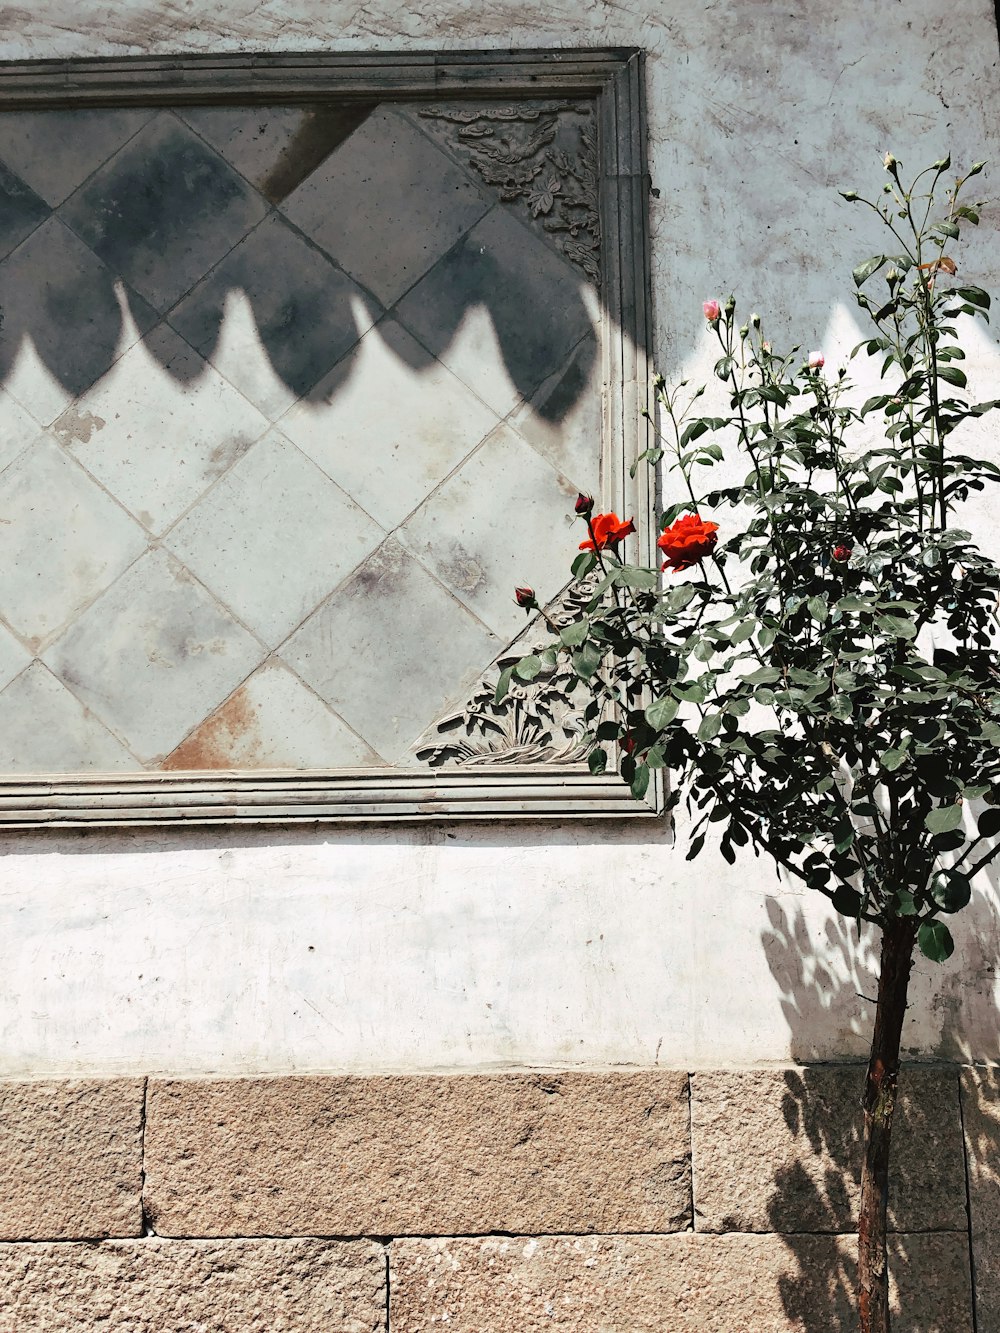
{"x": 215, "y": 742}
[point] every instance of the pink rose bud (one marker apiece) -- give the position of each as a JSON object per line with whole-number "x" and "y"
{"x": 816, "y": 361}
{"x": 842, "y": 553}
{"x": 525, "y": 597}
{"x": 712, "y": 311}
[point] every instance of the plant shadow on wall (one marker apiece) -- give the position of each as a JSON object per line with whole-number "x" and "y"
{"x": 828, "y": 980}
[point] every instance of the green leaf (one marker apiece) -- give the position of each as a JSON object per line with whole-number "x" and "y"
{"x": 896, "y": 626}
{"x": 951, "y": 890}
{"x": 640, "y": 783}
{"x": 710, "y": 726}
{"x": 946, "y": 229}
{"x": 906, "y": 904}
{"x": 692, "y": 692}
{"x": 841, "y": 707}
{"x": 974, "y": 296}
{"x": 724, "y": 367}
{"x": 678, "y": 599}
{"x": 847, "y": 901}
{"x": 661, "y": 712}
{"x": 892, "y": 759}
{"x": 953, "y": 375}
{"x": 989, "y": 822}
{"x": 743, "y": 631}
{"x": 632, "y": 576}
{"x": 934, "y": 939}
{"x": 818, "y": 607}
{"x": 587, "y": 660}
{"x": 843, "y": 835}
{"x": 583, "y": 564}
{"x": 503, "y": 684}
{"x": 597, "y": 761}
{"x": 528, "y": 667}
{"x": 573, "y": 635}
{"x": 763, "y": 676}
{"x": 944, "y": 818}
{"x": 864, "y": 271}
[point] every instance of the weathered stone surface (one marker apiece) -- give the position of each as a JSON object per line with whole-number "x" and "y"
{"x": 70, "y": 1159}
{"x": 156, "y": 1286}
{"x": 419, "y": 1155}
{"x": 779, "y": 1150}
{"x": 981, "y": 1117}
{"x": 668, "y": 1284}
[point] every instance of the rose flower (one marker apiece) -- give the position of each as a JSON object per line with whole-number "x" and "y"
{"x": 608, "y": 530}
{"x": 686, "y": 542}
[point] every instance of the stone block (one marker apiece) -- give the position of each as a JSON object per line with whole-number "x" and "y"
{"x": 981, "y": 1118}
{"x": 194, "y": 1286}
{"x": 432, "y": 1155}
{"x": 780, "y": 1150}
{"x": 70, "y": 1159}
{"x": 668, "y": 1284}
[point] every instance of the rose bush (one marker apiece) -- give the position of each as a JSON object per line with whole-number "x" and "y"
{"x": 823, "y": 679}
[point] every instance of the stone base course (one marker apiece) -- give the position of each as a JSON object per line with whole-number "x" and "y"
{"x": 667, "y": 1284}
{"x": 156, "y": 1286}
{"x": 780, "y": 1150}
{"x": 449, "y": 1155}
{"x": 981, "y": 1120}
{"x": 70, "y": 1159}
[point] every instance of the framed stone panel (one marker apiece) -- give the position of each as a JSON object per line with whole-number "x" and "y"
{"x": 303, "y": 362}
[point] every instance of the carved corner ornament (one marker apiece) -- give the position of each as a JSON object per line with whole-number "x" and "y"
{"x": 541, "y": 154}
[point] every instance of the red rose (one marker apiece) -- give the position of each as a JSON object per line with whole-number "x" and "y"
{"x": 525, "y": 597}
{"x": 608, "y": 530}
{"x": 841, "y": 553}
{"x": 687, "y": 541}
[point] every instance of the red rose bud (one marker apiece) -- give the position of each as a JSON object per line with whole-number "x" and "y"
{"x": 628, "y": 743}
{"x": 584, "y": 505}
{"x": 686, "y": 542}
{"x": 841, "y": 553}
{"x": 608, "y": 530}
{"x": 525, "y": 597}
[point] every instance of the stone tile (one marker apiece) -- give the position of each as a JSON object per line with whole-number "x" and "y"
{"x": 424, "y": 1155}
{"x": 55, "y": 151}
{"x": 17, "y": 429}
{"x": 70, "y": 1159}
{"x": 21, "y": 210}
{"x": 273, "y": 721}
{"x": 14, "y": 657}
{"x": 277, "y": 147}
{"x": 163, "y": 210}
{"x": 501, "y": 310}
{"x": 780, "y": 1150}
{"x": 564, "y": 420}
{"x": 394, "y": 423}
{"x": 44, "y": 729}
{"x": 153, "y": 656}
{"x": 366, "y": 651}
{"x": 274, "y": 538}
{"x": 170, "y": 425}
{"x": 56, "y": 292}
{"x": 63, "y": 541}
{"x": 668, "y": 1284}
{"x": 306, "y": 314}
{"x": 386, "y": 205}
{"x": 981, "y": 1115}
{"x": 501, "y": 520}
{"x": 194, "y": 1286}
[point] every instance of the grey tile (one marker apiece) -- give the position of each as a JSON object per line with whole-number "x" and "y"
{"x": 55, "y": 151}
{"x": 21, "y": 210}
{"x": 170, "y": 425}
{"x": 55, "y": 292}
{"x": 17, "y": 429}
{"x": 271, "y": 721}
{"x": 305, "y": 316}
{"x": 62, "y": 541}
{"x": 386, "y": 204}
{"x": 14, "y": 657}
{"x": 368, "y": 653}
{"x": 44, "y": 729}
{"x": 500, "y": 521}
{"x": 529, "y": 307}
{"x": 163, "y": 210}
{"x": 391, "y": 428}
{"x": 273, "y": 538}
{"x": 563, "y": 421}
{"x": 153, "y": 656}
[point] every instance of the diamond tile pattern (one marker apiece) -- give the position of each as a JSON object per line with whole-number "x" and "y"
{"x": 288, "y": 404}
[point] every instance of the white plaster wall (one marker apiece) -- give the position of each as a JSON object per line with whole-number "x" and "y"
{"x": 481, "y": 946}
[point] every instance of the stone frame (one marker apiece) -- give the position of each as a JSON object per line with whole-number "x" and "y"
{"x": 613, "y": 79}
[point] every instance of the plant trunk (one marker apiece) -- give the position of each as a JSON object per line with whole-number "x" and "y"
{"x": 880, "y": 1100}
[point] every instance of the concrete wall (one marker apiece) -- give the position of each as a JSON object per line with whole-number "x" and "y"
{"x": 473, "y": 947}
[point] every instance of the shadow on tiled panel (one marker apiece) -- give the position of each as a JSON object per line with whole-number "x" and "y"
{"x": 21, "y": 210}
{"x": 367, "y": 652}
{"x": 57, "y": 293}
{"x": 163, "y": 210}
{"x": 273, "y": 720}
{"x": 502, "y": 311}
{"x": 306, "y": 314}
{"x": 55, "y": 151}
{"x": 563, "y": 421}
